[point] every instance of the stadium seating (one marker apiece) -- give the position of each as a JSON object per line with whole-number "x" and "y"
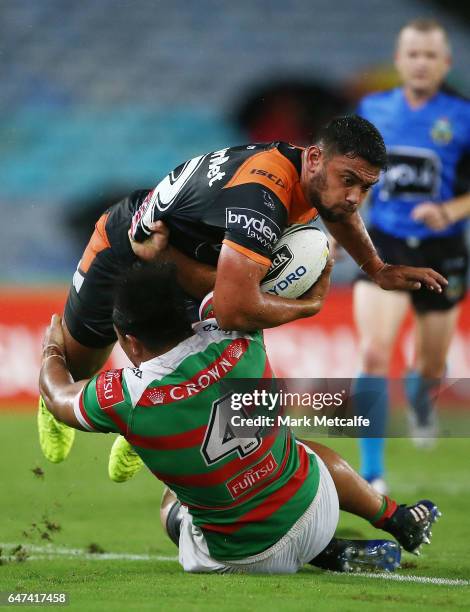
{"x": 110, "y": 92}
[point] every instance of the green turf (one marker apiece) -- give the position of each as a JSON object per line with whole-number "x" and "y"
{"x": 77, "y": 497}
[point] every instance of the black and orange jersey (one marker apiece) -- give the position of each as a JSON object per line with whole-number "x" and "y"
{"x": 243, "y": 196}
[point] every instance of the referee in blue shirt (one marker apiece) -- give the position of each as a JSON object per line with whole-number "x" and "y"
{"x": 416, "y": 218}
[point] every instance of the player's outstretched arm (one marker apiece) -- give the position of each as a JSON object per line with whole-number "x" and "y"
{"x": 240, "y": 304}
{"x": 353, "y": 236}
{"x": 408, "y": 278}
{"x": 55, "y": 381}
{"x": 196, "y": 278}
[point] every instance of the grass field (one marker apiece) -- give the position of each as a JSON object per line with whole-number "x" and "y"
{"x": 102, "y": 543}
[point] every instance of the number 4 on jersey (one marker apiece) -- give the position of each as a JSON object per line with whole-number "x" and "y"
{"x": 220, "y": 440}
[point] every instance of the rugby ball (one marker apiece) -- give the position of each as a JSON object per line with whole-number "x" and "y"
{"x": 298, "y": 259}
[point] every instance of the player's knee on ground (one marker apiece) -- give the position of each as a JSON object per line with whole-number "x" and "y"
{"x": 170, "y": 515}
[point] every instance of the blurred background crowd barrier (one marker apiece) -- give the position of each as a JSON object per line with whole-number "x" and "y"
{"x": 101, "y": 97}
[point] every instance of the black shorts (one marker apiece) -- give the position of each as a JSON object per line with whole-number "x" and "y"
{"x": 448, "y": 256}
{"x": 89, "y": 306}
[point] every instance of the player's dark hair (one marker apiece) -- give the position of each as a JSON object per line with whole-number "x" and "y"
{"x": 150, "y": 305}
{"x": 353, "y": 136}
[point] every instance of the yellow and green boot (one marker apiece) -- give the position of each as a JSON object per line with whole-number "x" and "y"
{"x": 55, "y": 438}
{"x": 124, "y": 462}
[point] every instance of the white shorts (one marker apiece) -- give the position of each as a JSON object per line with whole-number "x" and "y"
{"x": 303, "y": 542}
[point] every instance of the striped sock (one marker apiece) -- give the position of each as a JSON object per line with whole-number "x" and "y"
{"x": 387, "y": 509}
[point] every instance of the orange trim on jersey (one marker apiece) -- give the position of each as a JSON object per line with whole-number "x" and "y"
{"x": 265, "y": 261}
{"x": 268, "y": 168}
{"x": 301, "y": 211}
{"x": 98, "y": 242}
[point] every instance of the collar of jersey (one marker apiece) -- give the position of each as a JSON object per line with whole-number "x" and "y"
{"x": 206, "y": 332}
{"x": 423, "y": 107}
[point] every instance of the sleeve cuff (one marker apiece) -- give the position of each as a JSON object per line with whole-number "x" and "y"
{"x": 265, "y": 261}
{"x": 80, "y": 413}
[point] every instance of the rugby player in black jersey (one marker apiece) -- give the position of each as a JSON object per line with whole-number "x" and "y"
{"x": 225, "y": 212}
{"x": 227, "y": 209}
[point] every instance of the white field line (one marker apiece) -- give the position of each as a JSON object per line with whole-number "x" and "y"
{"x": 49, "y": 551}
{"x": 103, "y": 557}
{"x": 408, "y": 578}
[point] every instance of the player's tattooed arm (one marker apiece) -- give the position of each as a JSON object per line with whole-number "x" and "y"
{"x": 195, "y": 277}
{"x": 56, "y": 384}
{"x": 352, "y": 234}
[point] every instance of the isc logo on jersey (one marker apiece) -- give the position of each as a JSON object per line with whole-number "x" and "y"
{"x": 253, "y": 224}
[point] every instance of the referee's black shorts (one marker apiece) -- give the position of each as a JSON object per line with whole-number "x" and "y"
{"x": 448, "y": 256}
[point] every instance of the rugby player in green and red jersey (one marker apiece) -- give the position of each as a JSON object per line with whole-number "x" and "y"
{"x": 260, "y": 504}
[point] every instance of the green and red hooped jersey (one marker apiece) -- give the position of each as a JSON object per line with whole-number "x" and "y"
{"x": 244, "y": 493}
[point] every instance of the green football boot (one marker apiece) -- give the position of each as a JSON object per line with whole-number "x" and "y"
{"x": 124, "y": 462}
{"x": 55, "y": 438}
